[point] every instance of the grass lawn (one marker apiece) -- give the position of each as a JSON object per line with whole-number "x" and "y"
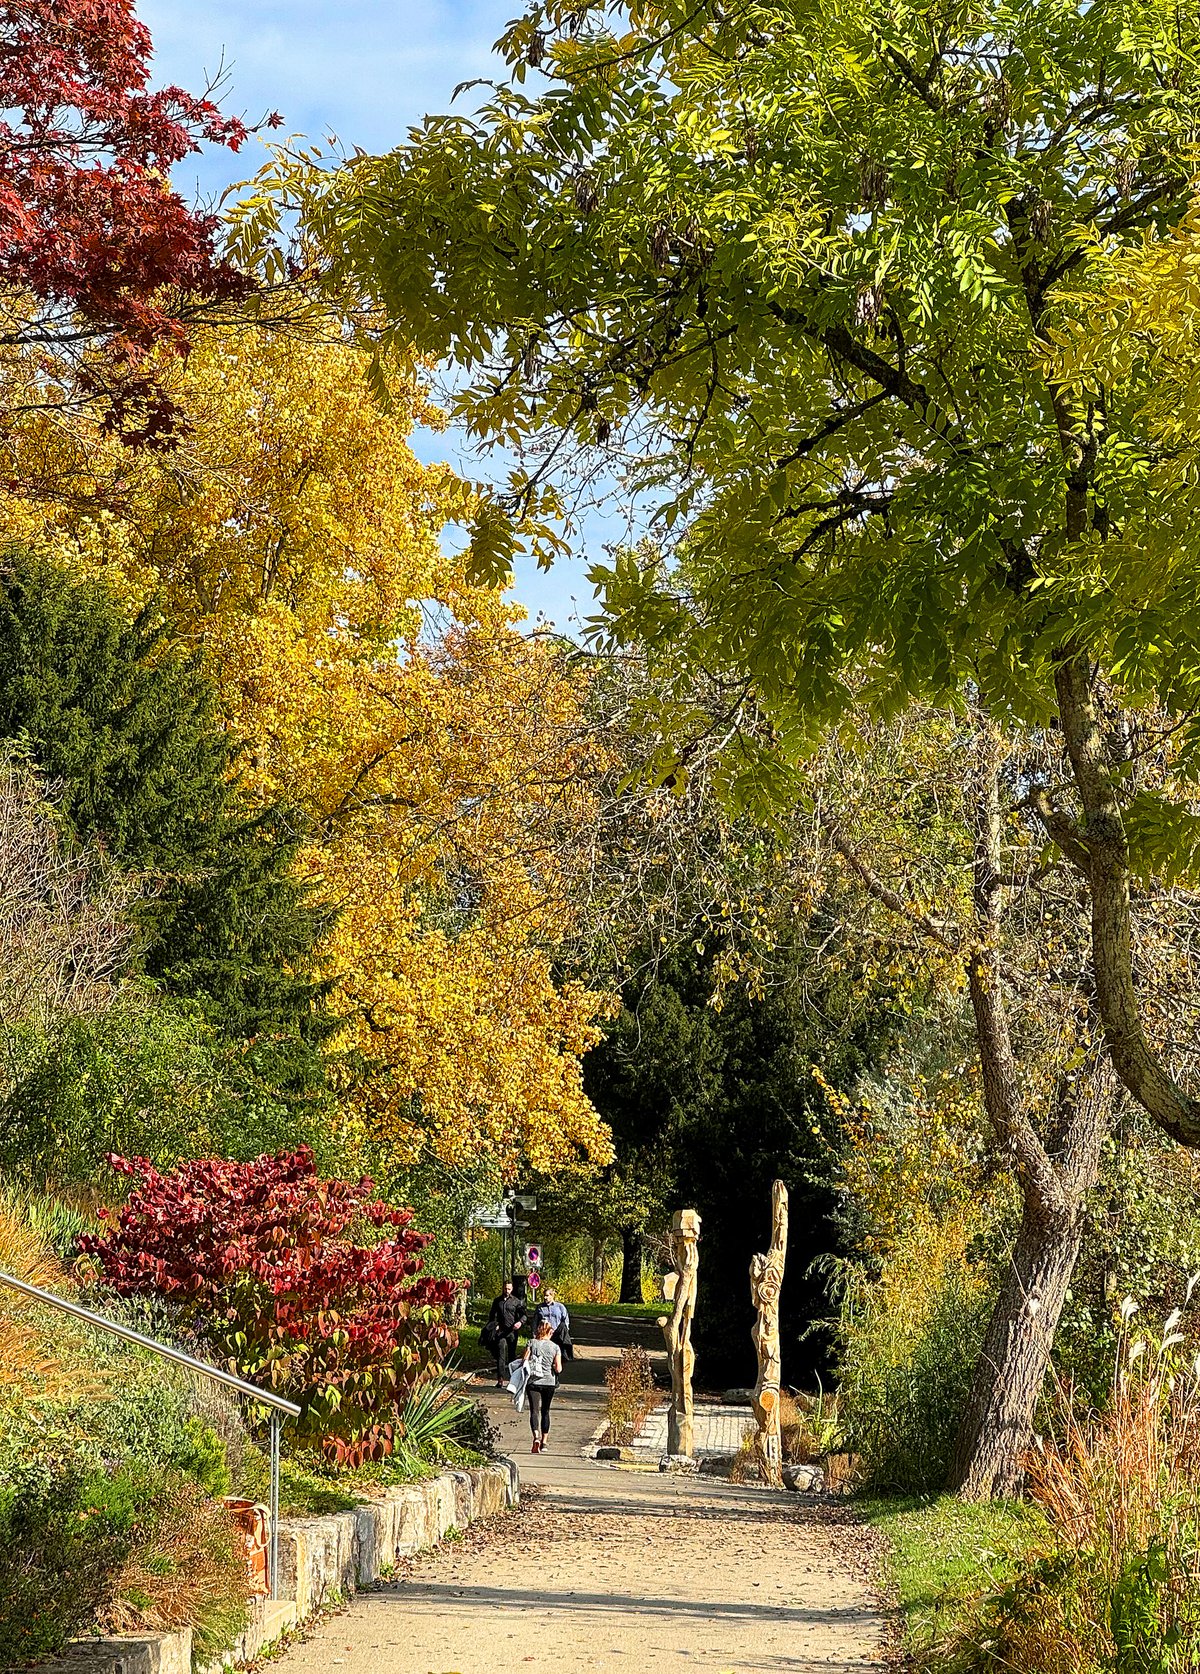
{"x": 944, "y": 1552}
{"x": 470, "y": 1354}
{"x": 617, "y": 1310}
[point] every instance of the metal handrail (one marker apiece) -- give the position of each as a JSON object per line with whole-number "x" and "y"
{"x": 277, "y": 1403}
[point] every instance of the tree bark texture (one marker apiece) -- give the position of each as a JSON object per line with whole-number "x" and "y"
{"x": 1055, "y": 1176}
{"x": 1100, "y": 849}
{"x": 997, "y": 1423}
{"x": 631, "y": 1264}
{"x": 681, "y": 1292}
{"x": 766, "y": 1281}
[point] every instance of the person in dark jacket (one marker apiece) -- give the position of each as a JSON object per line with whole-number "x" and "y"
{"x": 505, "y": 1320}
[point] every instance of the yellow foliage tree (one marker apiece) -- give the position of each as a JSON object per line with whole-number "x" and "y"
{"x": 424, "y": 736}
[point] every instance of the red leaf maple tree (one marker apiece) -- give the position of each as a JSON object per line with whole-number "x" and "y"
{"x": 261, "y": 1260}
{"x": 91, "y": 230}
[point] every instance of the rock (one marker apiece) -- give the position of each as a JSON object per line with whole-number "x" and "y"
{"x": 624, "y": 1454}
{"x": 680, "y": 1464}
{"x": 738, "y": 1397}
{"x": 804, "y": 1479}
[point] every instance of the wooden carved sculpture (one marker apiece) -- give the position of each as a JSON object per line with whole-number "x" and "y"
{"x": 680, "y": 1289}
{"x": 766, "y": 1281}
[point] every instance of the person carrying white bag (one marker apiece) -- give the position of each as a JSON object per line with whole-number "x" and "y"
{"x": 543, "y": 1365}
{"x": 517, "y": 1385}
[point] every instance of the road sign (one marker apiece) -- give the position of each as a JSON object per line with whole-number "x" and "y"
{"x": 527, "y": 1203}
{"x": 534, "y": 1279}
{"x": 533, "y": 1256}
{"x": 490, "y": 1215}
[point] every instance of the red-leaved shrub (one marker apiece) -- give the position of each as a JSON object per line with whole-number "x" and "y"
{"x": 261, "y": 1260}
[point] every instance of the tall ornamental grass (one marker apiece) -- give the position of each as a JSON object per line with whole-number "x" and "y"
{"x": 1114, "y": 1587}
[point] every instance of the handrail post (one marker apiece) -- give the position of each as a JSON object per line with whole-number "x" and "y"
{"x": 276, "y": 1422}
{"x": 277, "y": 1405}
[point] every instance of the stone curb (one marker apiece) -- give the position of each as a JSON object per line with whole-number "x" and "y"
{"x": 322, "y": 1561}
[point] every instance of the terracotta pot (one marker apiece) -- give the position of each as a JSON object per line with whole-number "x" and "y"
{"x": 251, "y": 1522}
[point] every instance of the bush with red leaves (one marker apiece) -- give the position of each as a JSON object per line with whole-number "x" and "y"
{"x": 261, "y": 1259}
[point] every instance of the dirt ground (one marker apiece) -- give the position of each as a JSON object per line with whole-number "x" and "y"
{"x": 604, "y": 1568}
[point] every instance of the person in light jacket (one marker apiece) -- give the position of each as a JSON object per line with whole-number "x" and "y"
{"x": 552, "y": 1309}
{"x": 544, "y": 1360}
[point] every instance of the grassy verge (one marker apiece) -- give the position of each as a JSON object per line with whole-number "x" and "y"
{"x": 470, "y": 1353}
{"x": 617, "y": 1310}
{"x": 943, "y": 1553}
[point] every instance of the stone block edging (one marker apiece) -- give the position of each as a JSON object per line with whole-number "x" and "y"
{"x": 322, "y": 1561}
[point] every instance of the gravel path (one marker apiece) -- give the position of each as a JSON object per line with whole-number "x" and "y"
{"x": 614, "y": 1569}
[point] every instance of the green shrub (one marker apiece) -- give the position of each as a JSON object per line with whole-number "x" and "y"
{"x": 64, "y": 1534}
{"x": 111, "y": 1468}
{"x": 910, "y": 1338}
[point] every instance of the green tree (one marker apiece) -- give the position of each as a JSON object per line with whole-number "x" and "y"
{"x": 656, "y": 1064}
{"x": 710, "y": 1102}
{"x": 792, "y": 273}
{"x": 125, "y": 725}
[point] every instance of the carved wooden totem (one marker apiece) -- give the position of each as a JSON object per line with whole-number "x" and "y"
{"x": 680, "y": 1289}
{"x": 766, "y": 1280}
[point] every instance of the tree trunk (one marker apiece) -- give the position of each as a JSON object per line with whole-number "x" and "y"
{"x": 598, "y": 1267}
{"x": 1055, "y": 1175}
{"x": 997, "y": 1424}
{"x": 631, "y": 1264}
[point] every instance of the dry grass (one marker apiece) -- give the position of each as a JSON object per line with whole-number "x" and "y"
{"x": 188, "y": 1568}
{"x": 810, "y": 1433}
{"x": 1116, "y": 1584}
{"x": 38, "y": 1357}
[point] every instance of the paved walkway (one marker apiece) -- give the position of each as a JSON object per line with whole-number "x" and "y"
{"x": 717, "y": 1431}
{"x": 612, "y": 1569}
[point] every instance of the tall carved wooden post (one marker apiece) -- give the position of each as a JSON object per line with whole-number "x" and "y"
{"x": 766, "y": 1280}
{"x": 680, "y": 1289}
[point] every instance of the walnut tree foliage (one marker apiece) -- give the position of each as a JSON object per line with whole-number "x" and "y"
{"x": 797, "y": 277}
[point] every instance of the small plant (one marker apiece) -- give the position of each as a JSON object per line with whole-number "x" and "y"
{"x": 810, "y": 1431}
{"x": 631, "y": 1396}
{"x": 261, "y": 1259}
{"x": 185, "y": 1568}
{"x": 811, "y": 1426}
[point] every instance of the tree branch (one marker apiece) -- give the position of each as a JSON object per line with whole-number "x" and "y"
{"x": 1175, "y": 1111}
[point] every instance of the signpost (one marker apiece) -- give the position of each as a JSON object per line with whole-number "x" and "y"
{"x": 534, "y": 1280}
{"x": 491, "y": 1216}
{"x": 502, "y": 1218}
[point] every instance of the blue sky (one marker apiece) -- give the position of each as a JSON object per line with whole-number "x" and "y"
{"x": 364, "y": 70}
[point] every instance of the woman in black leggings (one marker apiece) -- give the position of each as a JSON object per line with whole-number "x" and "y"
{"x": 544, "y": 1360}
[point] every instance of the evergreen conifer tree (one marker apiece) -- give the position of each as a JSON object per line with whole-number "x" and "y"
{"x": 126, "y": 724}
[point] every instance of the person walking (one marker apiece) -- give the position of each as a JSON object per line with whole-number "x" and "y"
{"x": 550, "y": 1308}
{"x": 544, "y": 1361}
{"x": 504, "y": 1322}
